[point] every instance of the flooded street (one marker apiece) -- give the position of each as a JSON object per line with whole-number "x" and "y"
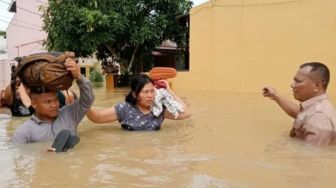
{"x": 232, "y": 140}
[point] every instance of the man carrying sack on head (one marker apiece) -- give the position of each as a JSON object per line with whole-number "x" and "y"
{"x": 49, "y": 121}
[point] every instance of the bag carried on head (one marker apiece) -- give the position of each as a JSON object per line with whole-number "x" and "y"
{"x": 46, "y": 70}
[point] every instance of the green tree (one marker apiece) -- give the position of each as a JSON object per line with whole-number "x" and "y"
{"x": 119, "y": 29}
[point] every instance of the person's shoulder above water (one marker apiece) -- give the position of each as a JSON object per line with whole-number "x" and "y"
{"x": 315, "y": 116}
{"x": 136, "y": 112}
{"x": 124, "y": 105}
{"x": 23, "y": 132}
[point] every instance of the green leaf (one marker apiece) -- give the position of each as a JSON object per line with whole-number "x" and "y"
{"x": 113, "y": 28}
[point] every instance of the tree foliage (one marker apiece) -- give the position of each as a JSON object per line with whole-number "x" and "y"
{"x": 119, "y": 29}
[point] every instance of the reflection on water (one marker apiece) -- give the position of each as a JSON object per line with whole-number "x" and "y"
{"x": 232, "y": 140}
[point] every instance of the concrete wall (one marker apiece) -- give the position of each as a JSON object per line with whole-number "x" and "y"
{"x": 25, "y": 36}
{"x": 241, "y": 45}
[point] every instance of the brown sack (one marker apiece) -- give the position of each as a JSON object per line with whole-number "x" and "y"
{"x": 46, "y": 70}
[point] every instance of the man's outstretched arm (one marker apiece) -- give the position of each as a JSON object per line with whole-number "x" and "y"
{"x": 291, "y": 108}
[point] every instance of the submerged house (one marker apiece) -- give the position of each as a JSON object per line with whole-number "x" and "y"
{"x": 240, "y": 46}
{"x": 26, "y": 36}
{"x": 168, "y": 54}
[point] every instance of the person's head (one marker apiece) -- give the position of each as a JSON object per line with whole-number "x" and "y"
{"x": 142, "y": 91}
{"x": 311, "y": 80}
{"x": 45, "y": 103}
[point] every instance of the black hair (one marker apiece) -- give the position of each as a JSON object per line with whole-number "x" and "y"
{"x": 38, "y": 90}
{"x": 321, "y": 70}
{"x": 136, "y": 86}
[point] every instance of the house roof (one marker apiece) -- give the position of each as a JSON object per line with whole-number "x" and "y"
{"x": 12, "y": 6}
{"x": 165, "y": 47}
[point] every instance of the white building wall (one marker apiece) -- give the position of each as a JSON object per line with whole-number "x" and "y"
{"x": 4, "y": 64}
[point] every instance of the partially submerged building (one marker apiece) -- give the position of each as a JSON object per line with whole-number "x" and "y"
{"x": 243, "y": 45}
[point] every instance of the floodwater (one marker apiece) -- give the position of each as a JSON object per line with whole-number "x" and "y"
{"x": 236, "y": 140}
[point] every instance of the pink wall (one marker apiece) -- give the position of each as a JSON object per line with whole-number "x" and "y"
{"x": 24, "y": 34}
{"x": 27, "y": 37}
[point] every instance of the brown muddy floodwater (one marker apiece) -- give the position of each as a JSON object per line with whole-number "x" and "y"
{"x": 232, "y": 140}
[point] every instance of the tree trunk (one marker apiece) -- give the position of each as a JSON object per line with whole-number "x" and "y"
{"x": 130, "y": 65}
{"x": 115, "y": 55}
{"x": 109, "y": 48}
